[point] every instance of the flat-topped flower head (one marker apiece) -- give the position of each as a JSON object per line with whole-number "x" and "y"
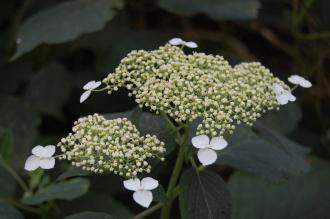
{"x": 142, "y": 190}
{"x": 179, "y": 41}
{"x": 41, "y": 157}
{"x": 186, "y": 87}
{"x": 207, "y": 149}
{"x": 89, "y": 87}
{"x": 298, "y": 80}
{"x": 101, "y": 146}
{"x": 283, "y": 96}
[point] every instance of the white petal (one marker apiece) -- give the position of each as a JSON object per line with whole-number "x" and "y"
{"x": 176, "y": 41}
{"x": 200, "y": 141}
{"x": 289, "y": 96}
{"x": 143, "y": 198}
{"x": 149, "y": 183}
{"x": 47, "y": 163}
{"x": 295, "y": 79}
{"x": 85, "y": 95}
{"x": 39, "y": 151}
{"x": 218, "y": 143}
{"x": 32, "y": 163}
{"x": 277, "y": 88}
{"x": 49, "y": 151}
{"x": 282, "y": 99}
{"x": 89, "y": 85}
{"x": 96, "y": 85}
{"x": 305, "y": 83}
{"x": 132, "y": 184}
{"x": 191, "y": 44}
{"x": 207, "y": 156}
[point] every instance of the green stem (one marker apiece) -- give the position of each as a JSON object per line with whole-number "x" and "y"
{"x": 12, "y": 172}
{"x": 148, "y": 211}
{"x": 175, "y": 176}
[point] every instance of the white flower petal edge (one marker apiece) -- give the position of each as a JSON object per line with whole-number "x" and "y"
{"x": 149, "y": 183}
{"x": 176, "y": 41}
{"x": 283, "y": 96}
{"x": 298, "y": 80}
{"x": 143, "y": 198}
{"x": 218, "y": 143}
{"x": 89, "y": 87}
{"x": 200, "y": 141}
{"x": 207, "y": 156}
{"x": 42, "y": 157}
{"x": 132, "y": 184}
{"x": 191, "y": 44}
{"x": 85, "y": 95}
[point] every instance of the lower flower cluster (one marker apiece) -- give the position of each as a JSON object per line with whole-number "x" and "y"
{"x": 100, "y": 145}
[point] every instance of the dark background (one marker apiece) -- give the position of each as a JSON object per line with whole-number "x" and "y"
{"x": 40, "y": 89}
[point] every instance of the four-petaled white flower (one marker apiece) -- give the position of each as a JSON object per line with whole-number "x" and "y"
{"x": 89, "y": 87}
{"x": 298, "y": 80}
{"x": 206, "y": 153}
{"x": 41, "y": 157}
{"x": 179, "y": 41}
{"x": 283, "y": 96}
{"x": 142, "y": 194}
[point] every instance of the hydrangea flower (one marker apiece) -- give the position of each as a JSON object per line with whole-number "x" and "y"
{"x": 41, "y": 157}
{"x": 142, "y": 194}
{"x": 298, "y": 80}
{"x": 283, "y": 96}
{"x": 89, "y": 87}
{"x": 207, "y": 149}
{"x": 179, "y": 41}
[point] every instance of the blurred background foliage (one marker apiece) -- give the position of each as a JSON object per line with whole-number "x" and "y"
{"x": 49, "y": 49}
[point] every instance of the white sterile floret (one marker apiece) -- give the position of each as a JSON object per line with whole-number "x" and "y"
{"x": 142, "y": 194}
{"x": 298, "y": 80}
{"x": 283, "y": 96}
{"x": 206, "y": 153}
{"x": 89, "y": 87}
{"x": 41, "y": 157}
{"x": 179, "y": 41}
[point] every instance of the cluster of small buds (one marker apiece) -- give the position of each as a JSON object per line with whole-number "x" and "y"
{"x": 196, "y": 85}
{"x": 100, "y": 146}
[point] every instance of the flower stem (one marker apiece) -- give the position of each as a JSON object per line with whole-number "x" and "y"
{"x": 166, "y": 209}
{"x": 13, "y": 173}
{"x": 148, "y": 211}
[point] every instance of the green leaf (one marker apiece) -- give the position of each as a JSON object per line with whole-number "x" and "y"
{"x": 49, "y": 89}
{"x": 9, "y": 212}
{"x": 284, "y": 120}
{"x": 216, "y": 9}
{"x": 8, "y": 184}
{"x": 35, "y": 178}
{"x": 90, "y": 215}
{"x": 18, "y": 117}
{"x": 64, "y": 22}
{"x": 160, "y": 195}
{"x": 97, "y": 202}
{"x": 303, "y": 197}
{"x": 72, "y": 172}
{"x": 67, "y": 190}
{"x": 203, "y": 195}
{"x": 263, "y": 156}
{"x": 6, "y": 143}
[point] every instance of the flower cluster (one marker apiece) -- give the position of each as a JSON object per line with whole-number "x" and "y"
{"x": 100, "y": 145}
{"x": 197, "y": 85}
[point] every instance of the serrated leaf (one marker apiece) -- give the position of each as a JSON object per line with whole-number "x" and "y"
{"x": 9, "y": 212}
{"x": 263, "y": 156}
{"x": 305, "y": 197}
{"x": 284, "y": 120}
{"x": 216, "y": 9}
{"x": 67, "y": 190}
{"x": 90, "y": 215}
{"x": 64, "y": 22}
{"x": 203, "y": 195}
{"x": 49, "y": 89}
